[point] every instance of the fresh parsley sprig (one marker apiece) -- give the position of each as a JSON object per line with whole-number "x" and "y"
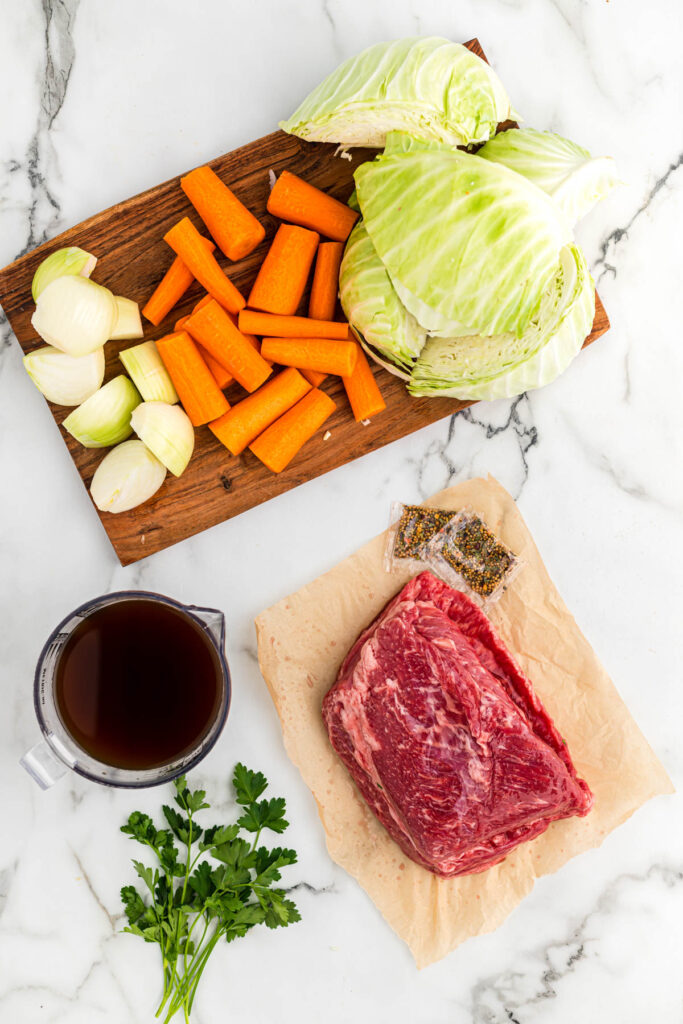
{"x": 187, "y": 903}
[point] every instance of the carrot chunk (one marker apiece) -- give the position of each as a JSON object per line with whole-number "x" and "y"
{"x": 294, "y": 200}
{"x": 280, "y": 442}
{"x": 202, "y": 302}
{"x": 338, "y": 357}
{"x": 231, "y": 224}
{"x": 171, "y": 288}
{"x": 215, "y": 331}
{"x": 250, "y": 417}
{"x": 314, "y": 377}
{"x": 284, "y": 272}
{"x": 199, "y": 394}
{"x": 187, "y": 243}
{"x": 218, "y": 372}
{"x": 291, "y": 326}
{"x": 362, "y": 391}
{"x": 323, "y": 300}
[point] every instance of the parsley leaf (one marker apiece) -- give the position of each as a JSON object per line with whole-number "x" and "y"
{"x": 248, "y": 785}
{"x": 188, "y": 800}
{"x": 280, "y": 912}
{"x": 133, "y": 904}
{"x": 266, "y": 814}
{"x": 218, "y": 834}
{"x": 148, "y": 876}
{"x": 180, "y": 826}
{"x": 201, "y": 881}
{"x": 217, "y": 880}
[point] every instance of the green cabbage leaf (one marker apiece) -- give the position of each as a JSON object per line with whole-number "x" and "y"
{"x": 568, "y": 173}
{"x": 428, "y": 86}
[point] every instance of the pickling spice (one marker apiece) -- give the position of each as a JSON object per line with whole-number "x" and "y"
{"x": 475, "y": 552}
{"x": 416, "y": 526}
{"x": 472, "y": 552}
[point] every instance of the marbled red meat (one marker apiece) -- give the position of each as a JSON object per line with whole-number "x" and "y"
{"x": 444, "y": 735}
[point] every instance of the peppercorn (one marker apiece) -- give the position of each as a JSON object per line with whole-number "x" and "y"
{"x": 416, "y": 526}
{"x": 477, "y": 555}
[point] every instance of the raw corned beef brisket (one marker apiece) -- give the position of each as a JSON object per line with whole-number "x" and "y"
{"x": 444, "y": 735}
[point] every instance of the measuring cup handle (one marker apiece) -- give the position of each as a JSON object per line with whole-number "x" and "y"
{"x": 43, "y": 765}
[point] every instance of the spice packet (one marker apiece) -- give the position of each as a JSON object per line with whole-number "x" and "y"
{"x": 411, "y": 527}
{"x": 466, "y": 552}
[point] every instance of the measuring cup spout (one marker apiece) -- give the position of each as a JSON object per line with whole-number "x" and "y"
{"x": 214, "y": 621}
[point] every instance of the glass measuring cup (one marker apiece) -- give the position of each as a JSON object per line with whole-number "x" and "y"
{"x": 58, "y": 752}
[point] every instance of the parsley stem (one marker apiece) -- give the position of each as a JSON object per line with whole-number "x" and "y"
{"x": 184, "y": 982}
{"x": 185, "y": 881}
{"x": 189, "y": 855}
{"x": 201, "y": 852}
{"x": 199, "y": 917}
{"x": 205, "y": 957}
{"x": 187, "y": 986}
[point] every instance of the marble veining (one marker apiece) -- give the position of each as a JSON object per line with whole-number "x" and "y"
{"x": 99, "y": 111}
{"x": 40, "y": 165}
{"x": 602, "y": 266}
{"x": 536, "y": 975}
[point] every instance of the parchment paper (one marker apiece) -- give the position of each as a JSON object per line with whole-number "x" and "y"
{"x": 302, "y": 642}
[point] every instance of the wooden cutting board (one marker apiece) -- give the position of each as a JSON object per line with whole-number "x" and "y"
{"x": 132, "y": 257}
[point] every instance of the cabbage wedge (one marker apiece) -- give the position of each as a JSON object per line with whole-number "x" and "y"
{"x": 469, "y": 238}
{"x": 372, "y": 306}
{"x": 428, "y": 86}
{"x": 475, "y": 368}
{"x": 574, "y": 179}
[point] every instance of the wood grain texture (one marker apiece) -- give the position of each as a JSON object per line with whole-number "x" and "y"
{"x": 132, "y": 257}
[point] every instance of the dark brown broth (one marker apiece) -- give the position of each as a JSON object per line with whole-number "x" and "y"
{"x": 138, "y": 684}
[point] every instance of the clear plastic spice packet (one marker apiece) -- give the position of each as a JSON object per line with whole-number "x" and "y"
{"x": 411, "y": 527}
{"x": 467, "y": 552}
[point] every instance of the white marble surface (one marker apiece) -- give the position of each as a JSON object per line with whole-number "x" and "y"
{"x": 101, "y": 100}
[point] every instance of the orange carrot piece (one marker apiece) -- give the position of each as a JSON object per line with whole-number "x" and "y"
{"x": 250, "y": 417}
{"x": 179, "y": 324}
{"x": 323, "y": 300}
{"x": 218, "y": 372}
{"x": 213, "y": 328}
{"x": 185, "y": 240}
{"x": 199, "y": 394}
{"x": 251, "y": 338}
{"x": 171, "y": 288}
{"x": 231, "y": 224}
{"x": 314, "y": 377}
{"x": 280, "y": 283}
{"x": 362, "y": 391}
{"x": 277, "y": 446}
{"x": 294, "y": 200}
{"x": 338, "y": 357}
{"x": 276, "y": 326}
